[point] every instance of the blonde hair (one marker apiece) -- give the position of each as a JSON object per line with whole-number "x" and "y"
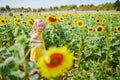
{"x": 38, "y": 20}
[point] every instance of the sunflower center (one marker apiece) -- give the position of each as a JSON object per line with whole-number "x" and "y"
{"x": 97, "y": 20}
{"x": 99, "y": 29}
{"x": 119, "y": 29}
{"x": 69, "y": 23}
{"x": 3, "y": 21}
{"x": 90, "y": 29}
{"x": 61, "y": 18}
{"x": 109, "y": 35}
{"x": 14, "y": 16}
{"x": 31, "y": 22}
{"x": 52, "y": 19}
{"x": 80, "y": 23}
{"x": 55, "y": 60}
{"x": 18, "y": 20}
{"x": 104, "y": 20}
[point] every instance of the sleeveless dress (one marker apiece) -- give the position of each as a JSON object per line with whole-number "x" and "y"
{"x": 38, "y": 49}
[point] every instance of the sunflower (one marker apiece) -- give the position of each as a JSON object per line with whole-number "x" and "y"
{"x": 55, "y": 61}
{"x": 3, "y": 21}
{"x": 98, "y": 17}
{"x": 115, "y": 31}
{"x": 75, "y": 20}
{"x": 69, "y": 23}
{"x": 104, "y": 20}
{"x": 44, "y": 16}
{"x": 109, "y": 36}
{"x": 30, "y": 23}
{"x": 17, "y": 21}
{"x": 14, "y": 17}
{"x": 62, "y": 18}
{"x": 118, "y": 29}
{"x": 97, "y": 21}
{"x": 52, "y": 20}
{"x": 90, "y": 29}
{"x": 63, "y": 15}
{"x": 99, "y": 29}
{"x": 80, "y": 23}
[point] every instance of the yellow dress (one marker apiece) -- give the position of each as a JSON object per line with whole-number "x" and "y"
{"x": 37, "y": 50}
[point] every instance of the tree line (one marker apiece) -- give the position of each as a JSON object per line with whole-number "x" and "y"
{"x": 105, "y": 6}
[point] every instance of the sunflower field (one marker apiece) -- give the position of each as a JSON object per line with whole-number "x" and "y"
{"x": 89, "y": 44}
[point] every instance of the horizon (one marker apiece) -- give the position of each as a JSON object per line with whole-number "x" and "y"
{"x": 48, "y": 4}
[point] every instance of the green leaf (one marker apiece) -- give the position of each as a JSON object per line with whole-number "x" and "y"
{"x": 18, "y": 73}
{"x": 35, "y": 77}
{"x": 31, "y": 67}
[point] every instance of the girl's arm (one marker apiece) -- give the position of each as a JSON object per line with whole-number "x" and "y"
{"x": 33, "y": 39}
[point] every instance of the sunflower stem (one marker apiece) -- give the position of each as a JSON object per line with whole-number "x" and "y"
{"x": 107, "y": 54}
{"x": 79, "y": 53}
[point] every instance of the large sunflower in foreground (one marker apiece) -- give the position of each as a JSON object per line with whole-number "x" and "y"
{"x": 55, "y": 62}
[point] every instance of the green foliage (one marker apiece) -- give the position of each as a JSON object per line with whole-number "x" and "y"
{"x": 10, "y": 14}
{"x": 14, "y": 50}
{"x": 6, "y": 34}
{"x": 62, "y": 35}
{"x": 14, "y": 65}
{"x": 96, "y": 56}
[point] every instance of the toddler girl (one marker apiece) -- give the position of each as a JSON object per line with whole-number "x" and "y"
{"x": 37, "y": 40}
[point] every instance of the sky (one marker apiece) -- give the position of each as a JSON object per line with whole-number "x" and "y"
{"x": 48, "y": 3}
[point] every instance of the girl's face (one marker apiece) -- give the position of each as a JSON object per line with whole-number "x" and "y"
{"x": 40, "y": 26}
